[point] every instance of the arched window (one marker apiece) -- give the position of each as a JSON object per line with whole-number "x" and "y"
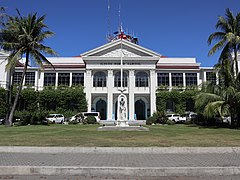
{"x": 141, "y": 79}
{"x": 117, "y": 79}
{"x": 170, "y": 105}
{"x": 99, "y": 79}
{"x": 190, "y": 105}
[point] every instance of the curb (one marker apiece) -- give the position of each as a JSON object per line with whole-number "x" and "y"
{"x": 119, "y": 171}
{"x": 121, "y": 150}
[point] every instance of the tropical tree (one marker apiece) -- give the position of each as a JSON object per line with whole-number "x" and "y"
{"x": 217, "y": 100}
{"x": 222, "y": 98}
{"x": 24, "y": 36}
{"x": 2, "y": 15}
{"x": 227, "y": 39}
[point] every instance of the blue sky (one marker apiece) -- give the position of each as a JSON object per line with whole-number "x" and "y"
{"x": 174, "y": 28}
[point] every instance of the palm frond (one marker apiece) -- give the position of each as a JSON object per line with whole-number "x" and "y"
{"x": 215, "y": 36}
{"x": 217, "y": 46}
{"x": 202, "y": 99}
{"x": 13, "y": 59}
{"x": 46, "y": 49}
{"x": 213, "y": 109}
{"x": 43, "y": 58}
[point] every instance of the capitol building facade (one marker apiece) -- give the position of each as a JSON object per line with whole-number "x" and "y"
{"x": 99, "y": 72}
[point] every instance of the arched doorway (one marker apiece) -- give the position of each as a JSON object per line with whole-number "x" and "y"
{"x": 190, "y": 105}
{"x": 140, "y": 110}
{"x": 101, "y": 107}
{"x": 170, "y": 105}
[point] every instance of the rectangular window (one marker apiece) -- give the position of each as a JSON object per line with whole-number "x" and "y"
{"x": 49, "y": 79}
{"x": 63, "y": 79}
{"x": 17, "y": 77}
{"x": 77, "y": 79}
{"x": 177, "y": 79}
{"x": 191, "y": 79}
{"x": 163, "y": 79}
{"x": 30, "y": 79}
{"x": 211, "y": 77}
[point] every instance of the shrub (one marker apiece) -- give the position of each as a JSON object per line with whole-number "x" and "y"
{"x": 157, "y": 118}
{"x": 90, "y": 120}
{"x": 170, "y": 122}
{"x": 38, "y": 117}
{"x": 24, "y": 116}
{"x": 73, "y": 122}
{"x": 151, "y": 120}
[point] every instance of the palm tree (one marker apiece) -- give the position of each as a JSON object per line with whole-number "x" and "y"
{"x": 220, "y": 99}
{"x": 227, "y": 39}
{"x": 2, "y": 15}
{"x": 24, "y": 36}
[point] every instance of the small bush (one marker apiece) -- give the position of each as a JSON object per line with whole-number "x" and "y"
{"x": 157, "y": 118}
{"x": 24, "y": 116}
{"x": 73, "y": 122}
{"x": 188, "y": 122}
{"x": 170, "y": 122}
{"x": 90, "y": 120}
{"x": 151, "y": 120}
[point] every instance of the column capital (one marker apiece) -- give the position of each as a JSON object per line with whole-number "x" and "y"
{"x": 88, "y": 72}
{"x": 110, "y": 72}
{"x": 131, "y": 72}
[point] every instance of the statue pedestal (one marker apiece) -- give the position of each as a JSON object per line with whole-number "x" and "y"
{"x": 122, "y": 111}
{"x": 122, "y": 123}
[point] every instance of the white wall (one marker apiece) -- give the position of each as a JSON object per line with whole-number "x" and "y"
{"x": 3, "y": 73}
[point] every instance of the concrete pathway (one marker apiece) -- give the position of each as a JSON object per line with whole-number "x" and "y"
{"x": 120, "y": 163}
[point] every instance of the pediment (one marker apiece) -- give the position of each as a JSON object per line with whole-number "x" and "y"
{"x": 120, "y": 48}
{"x": 120, "y": 52}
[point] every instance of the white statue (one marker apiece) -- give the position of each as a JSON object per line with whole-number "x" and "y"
{"x": 122, "y": 110}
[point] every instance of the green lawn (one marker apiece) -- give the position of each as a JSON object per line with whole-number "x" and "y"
{"x": 88, "y": 136}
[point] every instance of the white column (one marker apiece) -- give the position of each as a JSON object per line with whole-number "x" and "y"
{"x": 36, "y": 80}
{"x": 56, "y": 82}
{"x": 41, "y": 80}
{"x": 152, "y": 91}
{"x": 131, "y": 100}
{"x": 88, "y": 88}
{"x": 217, "y": 78}
{"x": 70, "y": 80}
{"x": 198, "y": 80}
{"x": 110, "y": 95}
{"x": 170, "y": 81}
{"x": 204, "y": 76}
{"x": 184, "y": 80}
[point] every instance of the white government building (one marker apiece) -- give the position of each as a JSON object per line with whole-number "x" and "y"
{"x": 98, "y": 70}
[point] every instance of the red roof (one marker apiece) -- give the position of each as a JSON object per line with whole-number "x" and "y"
{"x": 66, "y": 66}
{"x": 163, "y": 57}
{"x": 176, "y": 67}
{"x": 19, "y": 64}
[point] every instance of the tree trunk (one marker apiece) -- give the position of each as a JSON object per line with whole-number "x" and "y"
{"x": 9, "y": 94}
{"x": 10, "y": 118}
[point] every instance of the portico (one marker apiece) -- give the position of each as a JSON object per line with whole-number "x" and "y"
{"x": 139, "y": 80}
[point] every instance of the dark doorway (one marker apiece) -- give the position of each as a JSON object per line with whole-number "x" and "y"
{"x": 101, "y": 107}
{"x": 140, "y": 110}
{"x": 190, "y": 105}
{"x": 170, "y": 105}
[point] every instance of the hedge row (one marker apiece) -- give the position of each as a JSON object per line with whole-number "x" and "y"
{"x": 34, "y": 105}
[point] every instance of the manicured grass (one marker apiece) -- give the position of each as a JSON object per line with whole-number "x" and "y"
{"x": 88, "y": 136}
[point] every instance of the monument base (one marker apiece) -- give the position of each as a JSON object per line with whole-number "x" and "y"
{"x": 122, "y": 128}
{"x": 122, "y": 123}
